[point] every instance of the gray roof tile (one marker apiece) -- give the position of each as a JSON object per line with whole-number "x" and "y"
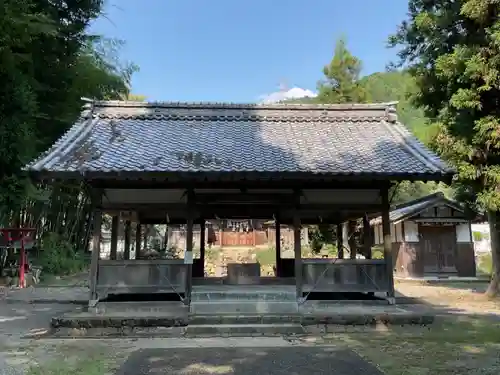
{"x": 412, "y": 208}
{"x": 171, "y": 137}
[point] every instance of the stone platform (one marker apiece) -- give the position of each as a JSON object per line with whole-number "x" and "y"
{"x": 174, "y": 320}
{"x": 232, "y": 310}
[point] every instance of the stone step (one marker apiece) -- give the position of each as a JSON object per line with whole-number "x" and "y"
{"x": 244, "y": 329}
{"x": 244, "y": 319}
{"x": 244, "y": 307}
{"x": 244, "y": 296}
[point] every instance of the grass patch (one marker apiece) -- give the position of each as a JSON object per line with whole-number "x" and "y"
{"x": 266, "y": 257}
{"x": 452, "y": 346}
{"x": 91, "y": 362}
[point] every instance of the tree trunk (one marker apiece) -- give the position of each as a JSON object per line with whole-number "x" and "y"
{"x": 494, "y": 221}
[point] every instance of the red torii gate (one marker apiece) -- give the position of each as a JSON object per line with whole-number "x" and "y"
{"x": 19, "y": 238}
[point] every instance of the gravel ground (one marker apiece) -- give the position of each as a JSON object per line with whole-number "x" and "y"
{"x": 19, "y": 317}
{"x": 23, "y": 319}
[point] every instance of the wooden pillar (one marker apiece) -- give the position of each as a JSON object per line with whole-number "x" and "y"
{"x": 138, "y": 238}
{"x": 297, "y": 254}
{"x": 221, "y": 232}
{"x": 203, "y": 241}
{"x": 351, "y": 225}
{"x": 188, "y": 254}
{"x": 96, "y": 247}
{"x": 127, "y": 232}
{"x": 367, "y": 238}
{"x": 297, "y": 247}
{"x": 115, "y": 221}
{"x": 277, "y": 225}
{"x": 145, "y": 235}
{"x": 386, "y": 231}
{"x": 340, "y": 241}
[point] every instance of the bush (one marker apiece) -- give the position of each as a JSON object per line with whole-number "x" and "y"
{"x": 484, "y": 264}
{"x": 478, "y": 236}
{"x": 58, "y": 257}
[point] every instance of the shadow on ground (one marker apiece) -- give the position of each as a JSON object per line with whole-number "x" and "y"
{"x": 452, "y": 345}
{"x": 246, "y": 361}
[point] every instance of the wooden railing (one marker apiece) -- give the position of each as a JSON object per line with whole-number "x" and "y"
{"x": 345, "y": 275}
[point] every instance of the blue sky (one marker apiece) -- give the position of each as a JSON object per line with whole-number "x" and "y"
{"x": 240, "y": 50}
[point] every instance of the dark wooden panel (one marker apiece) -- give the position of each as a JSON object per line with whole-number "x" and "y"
{"x": 146, "y": 276}
{"x": 466, "y": 261}
{"x": 348, "y": 275}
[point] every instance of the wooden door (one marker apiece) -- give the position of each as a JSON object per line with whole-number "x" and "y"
{"x": 430, "y": 251}
{"x": 439, "y": 248}
{"x": 447, "y": 250}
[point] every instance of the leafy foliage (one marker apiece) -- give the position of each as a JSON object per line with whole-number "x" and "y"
{"x": 400, "y": 86}
{"x": 47, "y": 64}
{"x": 452, "y": 48}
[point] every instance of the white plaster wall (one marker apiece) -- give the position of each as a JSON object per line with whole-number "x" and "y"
{"x": 393, "y": 233}
{"x": 463, "y": 233}
{"x": 411, "y": 231}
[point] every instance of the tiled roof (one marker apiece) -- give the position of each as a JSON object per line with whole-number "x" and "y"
{"x": 187, "y": 137}
{"x": 409, "y": 209}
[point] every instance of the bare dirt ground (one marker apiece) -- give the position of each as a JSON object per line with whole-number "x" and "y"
{"x": 467, "y": 342}
{"x": 460, "y": 297}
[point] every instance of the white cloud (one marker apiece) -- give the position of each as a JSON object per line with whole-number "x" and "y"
{"x": 293, "y": 93}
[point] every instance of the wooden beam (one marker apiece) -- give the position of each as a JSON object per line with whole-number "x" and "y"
{"x": 115, "y": 221}
{"x": 386, "y": 231}
{"x": 323, "y": 208}
{"x": 234, "y": 180}
{"x": 127, "y": 233}
{"x": 242, "y": 198}
{"x": 96, "y": 246}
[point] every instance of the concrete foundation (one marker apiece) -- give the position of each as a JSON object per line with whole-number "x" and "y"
{"x": 231, "y": 310}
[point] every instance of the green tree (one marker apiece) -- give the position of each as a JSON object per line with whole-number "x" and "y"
{"x": 48, "y": 62}
{"x": 341, "y": 82}
{"x": 135, "y": 98}
{"x": 399, "y": 86}
{"x": 452, "y": 49}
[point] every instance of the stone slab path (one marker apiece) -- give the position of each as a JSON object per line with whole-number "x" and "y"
{"x": 247, "y": 361}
